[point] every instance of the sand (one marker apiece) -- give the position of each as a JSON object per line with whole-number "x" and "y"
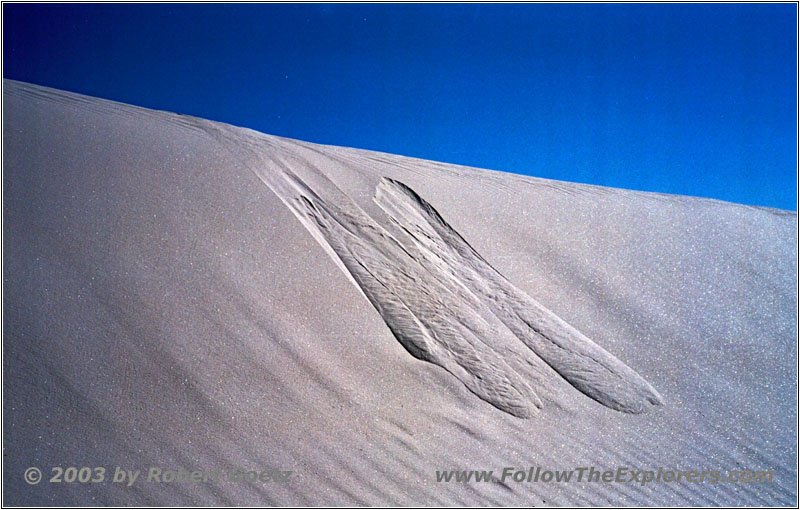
{"x": 185, "y": 294}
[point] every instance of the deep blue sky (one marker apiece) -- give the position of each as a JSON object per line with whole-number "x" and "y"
{"x": 694, "y": 99}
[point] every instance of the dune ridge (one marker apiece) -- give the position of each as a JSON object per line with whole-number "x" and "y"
{"x": 164, "y": 307}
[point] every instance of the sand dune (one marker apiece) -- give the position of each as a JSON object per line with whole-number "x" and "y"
{"x": 180, "y": 293}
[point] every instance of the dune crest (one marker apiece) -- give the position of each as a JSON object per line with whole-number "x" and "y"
{"x": 168, "y": 303}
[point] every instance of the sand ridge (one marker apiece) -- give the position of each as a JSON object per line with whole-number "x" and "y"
{"x": 163, "y": 307}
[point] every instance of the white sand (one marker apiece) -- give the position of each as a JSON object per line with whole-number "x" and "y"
{"x": 183, "y": 293}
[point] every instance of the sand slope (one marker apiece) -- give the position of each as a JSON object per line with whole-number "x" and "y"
{"x": 183, "y": 293}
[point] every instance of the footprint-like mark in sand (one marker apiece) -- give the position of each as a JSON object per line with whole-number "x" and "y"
{"x": 447, "y": 305}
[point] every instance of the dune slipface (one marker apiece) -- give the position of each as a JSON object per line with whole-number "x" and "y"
{"x": 185, "y": 294}
{"x": 447, "y": 305}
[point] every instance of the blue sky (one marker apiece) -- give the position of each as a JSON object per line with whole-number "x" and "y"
{"x": 694, "y": 99}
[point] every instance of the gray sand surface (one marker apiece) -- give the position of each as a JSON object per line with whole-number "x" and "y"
{"x": 184, "y": 293}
